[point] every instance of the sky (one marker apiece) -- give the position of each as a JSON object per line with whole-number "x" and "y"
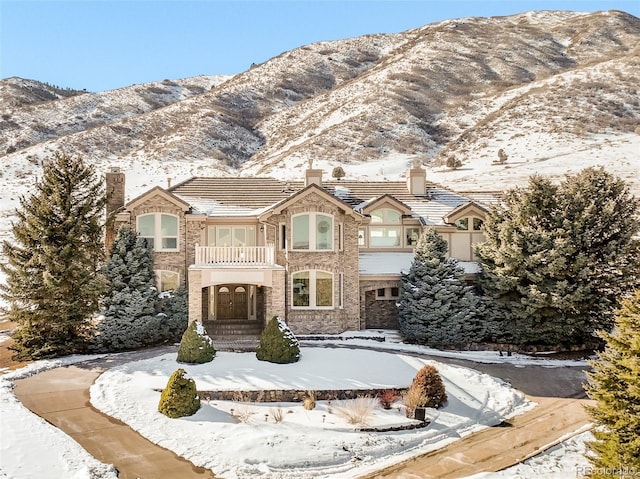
{"x": 107, "y": 44}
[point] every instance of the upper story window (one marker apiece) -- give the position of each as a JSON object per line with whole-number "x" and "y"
{"x": 388, "y": 236}
{"x": 386, "y": 216}
{"x": 312, "y": 289}
{"x": 469, "y": 224}
{"x": 231, "y": 235}
{"x": 312, "y": 231}
{"x": 160, "y": 230}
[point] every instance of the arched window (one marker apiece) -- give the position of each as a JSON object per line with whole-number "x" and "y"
{"x": 312, "y": 232}
{"x": 160, "y": 230}
{"x": 385, "y": 230}
{"x": 312, "y": 289}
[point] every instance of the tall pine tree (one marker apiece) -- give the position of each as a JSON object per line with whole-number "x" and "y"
{"x": 53, "y": 281}
{"x": 130, "y": 303}
{"x": 436, "y": 306}
{"x": 615, "y": 386}
{"x": 557, "y": 257}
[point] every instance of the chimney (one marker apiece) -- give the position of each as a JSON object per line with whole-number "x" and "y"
{"x": 417, "y": 180}
{"x": 114, "y": 180}
{"x": 312, "y": 175}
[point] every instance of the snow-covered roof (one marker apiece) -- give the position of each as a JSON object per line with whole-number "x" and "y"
{"x": 384, "y": 263}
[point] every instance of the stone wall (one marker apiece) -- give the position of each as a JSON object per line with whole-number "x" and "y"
{"x": 291, "y": 395}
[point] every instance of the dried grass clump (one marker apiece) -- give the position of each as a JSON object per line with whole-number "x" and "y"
{"x": 356, "y": 411}
{"x": 412, "y": 398}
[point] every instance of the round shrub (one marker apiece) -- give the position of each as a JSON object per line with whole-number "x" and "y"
{"x": 196, "y": 347}
{"x": 180, "y": 397}
{"x": 278, "y": 344}
{"x": 429, "y": 380}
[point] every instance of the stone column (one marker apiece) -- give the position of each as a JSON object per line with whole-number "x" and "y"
{"x": 275, "y": 304}
{"x": 195, "y": 295}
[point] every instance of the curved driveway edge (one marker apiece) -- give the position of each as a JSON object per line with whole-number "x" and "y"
{"x": 61, "y": 397}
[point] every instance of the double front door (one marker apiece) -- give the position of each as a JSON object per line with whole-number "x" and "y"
{"x": 232, "y": 302}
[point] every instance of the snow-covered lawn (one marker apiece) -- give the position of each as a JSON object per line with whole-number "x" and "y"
{"x": 317, "y": 443}
{"x": 308, "y": 443}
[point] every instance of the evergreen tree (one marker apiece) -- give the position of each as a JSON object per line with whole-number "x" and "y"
{"x": 557, "y": 257}
{"x": 53, "y": 271}
{"x": 615, "y": 386}
{"x": 180, "y": 397}
{"x": 129, "y": 306}
{"x": 436, "y": 307}
{"x": 278, "y": 344}
{"x": 196, "y": 347}
{"x": 429, "y": 381}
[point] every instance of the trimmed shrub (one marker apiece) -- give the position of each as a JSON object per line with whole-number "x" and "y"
{"x": 196, "y": 347}
{"x": 278, "y": 344}
{"x": 429, "y": 380}
{"x": 387, "y": 398}
{"x": 180, "y": 397}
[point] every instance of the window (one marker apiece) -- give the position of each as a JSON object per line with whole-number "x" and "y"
{"x": 160, "y": 230}
{"x": 362, "y": 234}
{"x": 464, "y": 223}
{"x": 385, "y": 236}
{"x": 312, "y": 231}
{"x": 412, "y": 235}
{"x": 386, "y": 216}
{"x": 387, "y": 293}
{"x": 283, "y": 236}
{"x": 381, "y": 236}
{"x": 312, "y": 289}
{"x": 167, "y": 280}
{"x": 231, "y": 235}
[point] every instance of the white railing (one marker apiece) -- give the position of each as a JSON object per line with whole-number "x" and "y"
{"x": 235, "y": 255}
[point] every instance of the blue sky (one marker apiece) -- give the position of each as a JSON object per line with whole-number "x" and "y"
{"x": 101, "y": 45}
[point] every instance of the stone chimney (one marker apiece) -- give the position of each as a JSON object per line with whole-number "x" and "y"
{"x": 312, "y": 175}
{"x": 114, "y": 180}
{"x": 417, "y": 180}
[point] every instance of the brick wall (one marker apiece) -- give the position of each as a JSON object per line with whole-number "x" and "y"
{"x": 376, "y": 313}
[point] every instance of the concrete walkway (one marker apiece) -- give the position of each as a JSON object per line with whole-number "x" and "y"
{"x": 61, "y": 396}
{"x": 496, "y": 448}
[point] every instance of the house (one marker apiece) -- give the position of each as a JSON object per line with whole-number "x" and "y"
{"x": 325, "y": 255}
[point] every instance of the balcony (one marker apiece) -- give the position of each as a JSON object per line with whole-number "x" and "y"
{"x": 235, "y": 256}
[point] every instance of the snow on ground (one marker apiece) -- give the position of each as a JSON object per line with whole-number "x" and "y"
{"x": 32, "y": 448}
{"x": 317, "y": 443}
{"x": 390, "y": 340}
{"x": 305, "y": 440}
{"x": 559, "y": 462}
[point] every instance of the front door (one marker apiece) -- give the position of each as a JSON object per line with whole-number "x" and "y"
{"x": 231, "y": 302}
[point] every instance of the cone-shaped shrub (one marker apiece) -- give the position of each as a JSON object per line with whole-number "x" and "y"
{"x": 180, "y": 397}
{"x": 432, "y": 386}
{"x": 278, "y": 344}
{"x": 196, "y": 347}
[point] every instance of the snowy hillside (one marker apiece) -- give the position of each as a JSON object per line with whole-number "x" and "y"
{"x": 557, "y": 91}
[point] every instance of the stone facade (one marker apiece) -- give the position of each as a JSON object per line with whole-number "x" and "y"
{"x": 341, "y": 262}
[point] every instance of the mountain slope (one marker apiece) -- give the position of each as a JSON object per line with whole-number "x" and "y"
{"x": 556, "y": 91}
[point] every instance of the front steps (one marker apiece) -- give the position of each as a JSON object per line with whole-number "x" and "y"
{"x": 234, "y": 335}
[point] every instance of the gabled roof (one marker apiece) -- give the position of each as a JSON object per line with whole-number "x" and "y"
{"x": 158, "y": 191}
{"x": 312, "y": 188}
{"x": 384, "y": 199}
{"x": 463, "y": 210}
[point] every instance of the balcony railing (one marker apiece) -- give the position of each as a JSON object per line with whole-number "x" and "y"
{"x": 235, "y": 255}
